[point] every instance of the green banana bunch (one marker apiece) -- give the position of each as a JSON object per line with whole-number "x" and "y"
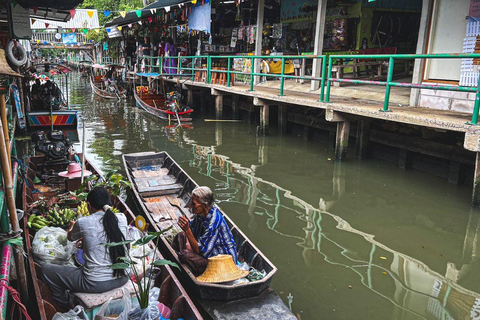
{"x": 115, "y": 210}
{"x": 60, "y": 217}
{"x": 37, "y": 222}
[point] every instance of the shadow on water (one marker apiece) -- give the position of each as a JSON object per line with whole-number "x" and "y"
{"x": 360, "y": 240}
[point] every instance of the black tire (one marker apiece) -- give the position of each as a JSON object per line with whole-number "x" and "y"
{"x": 11, "y": 57}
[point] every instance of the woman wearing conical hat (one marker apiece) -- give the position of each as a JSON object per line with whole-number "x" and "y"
{"x": 207, "y": 235}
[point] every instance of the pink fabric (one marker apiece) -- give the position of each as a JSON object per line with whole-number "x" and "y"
{"x": 164, "y": 310}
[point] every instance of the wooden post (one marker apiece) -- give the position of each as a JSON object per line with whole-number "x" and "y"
{"x": 12, "y": 210}
{"x": 218, "y": 106}
{"x": 3, "y": 113}
{"x": 338, "y": 180}
{"x": 361, "y": 145}
{"x": 455, "y": 172}
{"x": 341, "y": 144}
{"x": 264, "y": 122}
{"x": 405, "y": 159}
{"x": 318, "y": 45}
{"x": 258, "y": 38}
{"x": 190, "y": 97}
{"x": 282, "y": 118}
{"x": 307, "y": 133}
{"x": 218, "y": 134}
{"x": 236, "y": 106}
{"x": 476, "y": 182}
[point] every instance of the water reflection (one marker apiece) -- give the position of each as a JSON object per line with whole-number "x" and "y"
{"x": 401, "y": 242}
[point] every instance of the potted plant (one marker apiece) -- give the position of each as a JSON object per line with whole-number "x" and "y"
{"x": 144, "y": 283}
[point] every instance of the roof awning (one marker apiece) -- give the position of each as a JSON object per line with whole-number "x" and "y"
{"x": 52, "y": 4}
{"x": 81, "y": 20}
{"x": 131, "y": 16}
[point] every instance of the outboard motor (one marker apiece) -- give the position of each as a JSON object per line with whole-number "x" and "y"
{"x": 54, "y": 146}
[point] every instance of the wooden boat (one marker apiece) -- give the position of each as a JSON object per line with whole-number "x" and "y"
{"x": 176, "y": 296}
{"x": 155, "y": 177}
{"x": 155, "y": 103}
{"x": 98, "y": 84}
{"x": 61, "y": 118}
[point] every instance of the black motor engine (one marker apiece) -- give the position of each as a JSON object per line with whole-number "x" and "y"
{"x": 55, "y": 145}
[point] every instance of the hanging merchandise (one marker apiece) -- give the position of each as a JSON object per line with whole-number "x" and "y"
{"x": 277, "y": 31}
{"x": 241, "y": 33}
{"x": 251, "y": 36}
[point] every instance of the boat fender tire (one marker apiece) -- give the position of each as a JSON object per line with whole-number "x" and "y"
{"x": 11, "y": 57}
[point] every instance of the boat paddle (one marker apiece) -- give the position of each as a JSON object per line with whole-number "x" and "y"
{"x": 176, "y": 202}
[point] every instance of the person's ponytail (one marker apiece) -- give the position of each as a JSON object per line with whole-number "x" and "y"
{"x": 100, "y": 198}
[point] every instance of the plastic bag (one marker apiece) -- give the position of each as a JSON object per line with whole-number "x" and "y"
{"x": 51, "y": 245}
{"x": 116, "y": 309}
{"x": 76, "y": 313}
{"x": 150, "y": 313}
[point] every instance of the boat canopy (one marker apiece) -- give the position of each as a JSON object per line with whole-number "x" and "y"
{"x": 49, "y": 69}
{"x": 151, "y": 74}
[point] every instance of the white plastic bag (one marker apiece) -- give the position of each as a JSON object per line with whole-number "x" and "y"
{"x": 51, "y": 245}
{"x": 116, "y": 309}
{"x": 76, "y": 313}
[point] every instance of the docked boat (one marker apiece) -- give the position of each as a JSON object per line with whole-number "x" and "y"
{"x": 173, "y": 295}
{"x": 157, "y": 179}
{"x": 49, "y": 107}
{"x": 106, "y": 89}
{"x": 167, "y": 107}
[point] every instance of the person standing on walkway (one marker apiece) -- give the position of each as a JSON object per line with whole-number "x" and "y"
{"x": 96, "y": 275}
{"x": 170, "y": 57}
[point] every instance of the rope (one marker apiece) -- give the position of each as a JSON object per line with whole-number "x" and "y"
{"x": 16, "y": 297}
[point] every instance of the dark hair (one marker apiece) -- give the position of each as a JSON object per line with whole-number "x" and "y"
{"x": 99, "y": 197}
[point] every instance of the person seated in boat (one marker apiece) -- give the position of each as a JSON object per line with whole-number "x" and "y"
{"x": 109, "y": 79}
{"x": 207, "y": 235}
{"x": 96, "y": 275}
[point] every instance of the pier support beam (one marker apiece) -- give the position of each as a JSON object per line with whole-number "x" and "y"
{"x": 190, "y": 97}
{"x": 343, "y": 131}
{"x": 361, "y": 146}
{"x": 218, "y": 103}
{"x": 476, "y": 182}
{"x": 405, "y": 159}
{"x": 264, "y": 115}
{"x": 236, "y": 106}
{"x": 282, "y": 119}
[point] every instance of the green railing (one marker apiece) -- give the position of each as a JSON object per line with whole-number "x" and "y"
{"x": 209, "y": 64}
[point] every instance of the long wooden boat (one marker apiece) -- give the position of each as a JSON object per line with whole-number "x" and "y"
{"x": 173, "y": 294}
{"x": 154, "y": 103}
{"x": 155, "y": 177}
{"x": 98, "y": 87}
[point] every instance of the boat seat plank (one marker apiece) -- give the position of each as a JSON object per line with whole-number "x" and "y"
{"x": 155, "y": 181}
{"x": 163, "y": 189}
{"x": 157, "y": 208}
{"x": 149, "y": 171}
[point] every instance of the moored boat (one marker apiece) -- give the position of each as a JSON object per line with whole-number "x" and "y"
{"x": 166, "y": 108}
{"x": 100, "y": 88}
{"x": 156, "y": 178}
{"x": 173, "y": 295}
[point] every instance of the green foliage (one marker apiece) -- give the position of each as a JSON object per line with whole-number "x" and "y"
{"x": 144, "y": 283}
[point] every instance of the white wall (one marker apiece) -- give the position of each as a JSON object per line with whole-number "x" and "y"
{"x": 446, "y": 36}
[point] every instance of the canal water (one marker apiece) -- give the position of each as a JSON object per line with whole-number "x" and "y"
{"x": 360, "y": 240}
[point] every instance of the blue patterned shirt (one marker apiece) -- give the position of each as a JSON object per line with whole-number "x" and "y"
{"x": 213, "y": 235}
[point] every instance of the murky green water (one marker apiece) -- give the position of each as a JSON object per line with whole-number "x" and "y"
{"x": 360, "y": 240}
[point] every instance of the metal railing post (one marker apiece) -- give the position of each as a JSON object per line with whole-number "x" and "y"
{"x": 330, "y": 62}
{"x": 179, "y": 70}
{"x": 209, "y": 69}
{"x": 193, "y": 69}
{"x": 322, "y": 84}
{"x": 477, "y": 103}
{"x": 389, "y": 80}
{"x": 282, "y": 79}
{"x": 252, "y": 71}
{"x": 228, "y": 71}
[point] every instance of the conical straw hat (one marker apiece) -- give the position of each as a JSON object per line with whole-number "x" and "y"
{"x": 221, "y": 268}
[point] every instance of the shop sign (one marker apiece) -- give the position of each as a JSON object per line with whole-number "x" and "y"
{"x": 294, "y": 10}
{"x": 69, "y": 38}
{"x": 474, "y": 9}
{"x": 20, "y": 22}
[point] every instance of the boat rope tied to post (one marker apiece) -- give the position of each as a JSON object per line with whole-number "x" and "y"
{"x": 16, "y": 297}
{"x": 13, "y": 238}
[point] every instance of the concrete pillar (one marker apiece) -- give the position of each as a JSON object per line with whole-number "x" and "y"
{"x": 361, "y": 146}
{"x": 307, "y": 133}
{"x": 282, "y": 119}
{"x": 405, "y": 159}
{"x": 236, "y": 106}
{"x": 190, "y": 97}
{"x": 264, "y": 122}
{"x": 476, "y": 182}
{"x": 455, "y": 172}
{"x": 341, "y": 144}
{"x": 258, "y": 38}
{"x": 338, "y": 180}
{"x": 422, "y": 43}
{"x": 318, "y": 46}
{"x": 218, "y": 133}
{"x": 218, "y": 106}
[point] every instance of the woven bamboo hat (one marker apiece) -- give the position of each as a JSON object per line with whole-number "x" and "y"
{"x": 221, "y": 268}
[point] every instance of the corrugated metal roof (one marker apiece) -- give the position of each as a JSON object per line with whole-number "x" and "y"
{"x": 80, "y": 21}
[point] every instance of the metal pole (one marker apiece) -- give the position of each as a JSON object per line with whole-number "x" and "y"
{"x": 389, "y": 79}
{"x": 66, "y": 88}
{"x": 322, "y": 85}
{"x": 252, "y": 71}
{"x": 330, "y": 62}
{"x": 3, "y": 111}
{"x": 477, "y": 103}
{"x": 228, "y": 71}
{"x": 83, "y": 153}
{"x": 282, "y": 79}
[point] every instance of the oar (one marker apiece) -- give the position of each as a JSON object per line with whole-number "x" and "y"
{"x": 176, "y": 202}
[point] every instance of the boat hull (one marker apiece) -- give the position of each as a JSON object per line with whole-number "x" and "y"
{"x": 122, "y": 94}
{"x": 61, "y": 119}
{"x": 179, "y": 184}
{"x": 184, "y": 116}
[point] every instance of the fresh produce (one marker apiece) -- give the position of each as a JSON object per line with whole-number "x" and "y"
{"x": 83, "y": 209}
{"x": 60, "y": 217}
{"x": 37, "y": 222}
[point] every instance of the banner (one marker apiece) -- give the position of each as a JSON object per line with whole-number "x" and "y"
{"x": 69, "y": 38}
